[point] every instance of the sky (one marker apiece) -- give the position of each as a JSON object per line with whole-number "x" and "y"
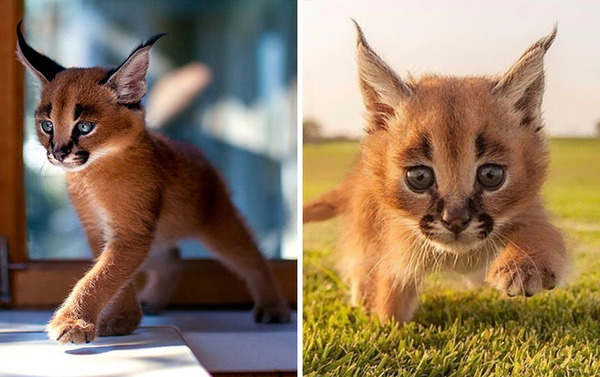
{"x": 458, "y": 37}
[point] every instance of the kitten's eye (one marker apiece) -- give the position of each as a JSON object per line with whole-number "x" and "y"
{"x": 85, "y": 127}
{"x": 490, "y": 176}
{"x": 419, "y": 178}
{"x": 47, "y": 126}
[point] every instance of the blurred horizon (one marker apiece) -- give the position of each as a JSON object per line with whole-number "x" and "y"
{"x": 462, "y": 38}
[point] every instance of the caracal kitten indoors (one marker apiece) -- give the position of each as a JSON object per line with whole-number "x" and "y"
{"x": 136, "y": 193}
{"x": 448, "y": 178}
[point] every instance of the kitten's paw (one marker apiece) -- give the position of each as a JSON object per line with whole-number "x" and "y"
{"x": 151, "y": 306}
{"x": 521, "y": 277}
{"x": 66, "y": 329}
{"x": 113, "y": 324}
{"x": 277, "y": 312}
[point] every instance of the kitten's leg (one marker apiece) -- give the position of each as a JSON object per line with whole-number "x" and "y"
{"x": 535, "y": 258}
{"x": 163, "y": 271}
{"x": 122, "y": 315}
{"x": 394, "y": 300}
{"x": 359, "y": 280}
{"x": 225, "y": 233}
{"x": 75, "y": 321}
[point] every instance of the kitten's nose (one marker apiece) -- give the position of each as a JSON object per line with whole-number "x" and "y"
{"x": 60, "y": 153}
{"x": 456, "y": 219}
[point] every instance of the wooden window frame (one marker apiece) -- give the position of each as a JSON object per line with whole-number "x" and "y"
{"x": 45, "y": 283}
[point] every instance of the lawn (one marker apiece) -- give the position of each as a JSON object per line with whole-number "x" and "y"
{"x": 460, "y": 332}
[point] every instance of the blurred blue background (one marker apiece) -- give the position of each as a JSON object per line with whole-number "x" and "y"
{"x": 244, "y": 120}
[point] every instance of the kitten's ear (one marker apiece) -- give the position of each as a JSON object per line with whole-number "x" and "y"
{"x": 523, "y": 84}
{"x": 129, "y": 80}
{"x": 41, "y": 65}
{"x": 382, "y": 89}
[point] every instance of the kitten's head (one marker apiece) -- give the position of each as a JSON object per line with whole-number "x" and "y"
{"x": 86, "y": 113}
{"x": 455, "y": 158}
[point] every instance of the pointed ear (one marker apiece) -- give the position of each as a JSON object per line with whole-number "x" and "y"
{"x": 42, "y": 66}
{"x": 382, "y": 89}
{"x": 128, "y": 81}
{"x": 523, "y": 84}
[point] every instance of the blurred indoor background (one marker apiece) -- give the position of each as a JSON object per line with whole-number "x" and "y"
{"x": 244, "y": 120}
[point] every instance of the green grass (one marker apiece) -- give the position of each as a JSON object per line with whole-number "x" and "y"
{"x": 460, "y": 332}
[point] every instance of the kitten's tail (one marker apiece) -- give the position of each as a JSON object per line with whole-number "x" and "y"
{"x": 326, "y": 206}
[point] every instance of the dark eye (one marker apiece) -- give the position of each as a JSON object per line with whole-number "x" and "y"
{"x": 85, "y": 127}
{"x": 419, "y": 178}
{"x": 47, "y": 126}
{"x": 490, "y": 176}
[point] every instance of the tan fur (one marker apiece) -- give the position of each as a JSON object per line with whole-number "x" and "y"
{"x": 138, "y": 191}
{"x": 393, "y": 236}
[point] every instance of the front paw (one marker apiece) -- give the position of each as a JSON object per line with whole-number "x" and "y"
{"x": 65, "y": 328}
{"x": 112, "y": 324}
{"x": 277, "y": 312}
{"x": 521, "y": 277}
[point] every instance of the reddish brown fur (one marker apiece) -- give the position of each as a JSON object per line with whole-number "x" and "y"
{"x": 139, "y": 191}
{"x": 453, "y": 125}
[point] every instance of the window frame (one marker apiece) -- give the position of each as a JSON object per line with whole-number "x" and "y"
{"x": 46, "y": 283}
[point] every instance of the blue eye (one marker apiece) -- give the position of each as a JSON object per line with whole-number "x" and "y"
{"x": 47, "y": 126}
{"x": 85, "y": 127}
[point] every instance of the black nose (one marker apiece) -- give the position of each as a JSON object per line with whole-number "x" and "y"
{"x": 60, "y": 153}
{"x": 456, "y": 219}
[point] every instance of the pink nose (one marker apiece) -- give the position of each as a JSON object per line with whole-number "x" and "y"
{"x": 60, "y": 153}
{"x": 456, "y": 219}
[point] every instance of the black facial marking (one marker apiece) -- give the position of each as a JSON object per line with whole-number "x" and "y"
{"x": 75, "y": 136}
{"x": 78, "y": 111}
{"x": 85, "y": 111}
{"x": 487, "y": 225}
{"x": 475, "y": 201}
{"x": 481, "y": 145}
{"x": 426, "y": 148}
{"x": 82, "y": 156}
{"x": 44, "y": 110}
{"x": 440, "y": 206}
{"x": 489, "y": 147}
{"x": 418, "y": 150}
{"x": 425, "y": 223}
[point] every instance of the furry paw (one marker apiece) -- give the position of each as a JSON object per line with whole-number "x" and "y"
{"x": 273, "y": 313}
{"x": 151, "y": 308}
{"x": 521, "y": 277}
{"x": 67, "y": 329}
{"x": 113, "y": 324}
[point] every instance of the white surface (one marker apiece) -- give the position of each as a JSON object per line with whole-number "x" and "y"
{"x": 245, "y": 352}
{"x": 223, "y": 341}
{"x": 158, "y": 351}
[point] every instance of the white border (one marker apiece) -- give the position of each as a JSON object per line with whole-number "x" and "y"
{"x": 299, "y": 112}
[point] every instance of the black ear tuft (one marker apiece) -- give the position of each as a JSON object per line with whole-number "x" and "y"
{"x": 152, "y": 40}
{"x": 41, "y": 65}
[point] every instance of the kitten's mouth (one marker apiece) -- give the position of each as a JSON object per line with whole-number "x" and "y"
{"x": 73, "y": 162}
{"x": 466, "y": 240}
